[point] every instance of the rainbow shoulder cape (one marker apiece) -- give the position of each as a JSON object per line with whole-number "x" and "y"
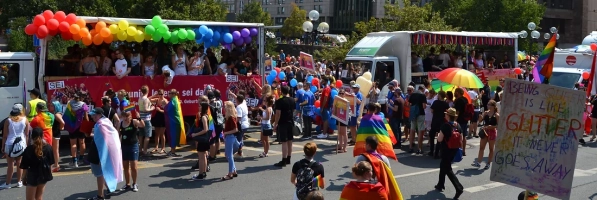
{"x": 175, "y": 123}
{"x": 110, "y": 155}
{"x": 358, "y": 191}
{"x": 385, "y": 177}
{"x": 373, "y": 125}
{"x": 73, "y": 119}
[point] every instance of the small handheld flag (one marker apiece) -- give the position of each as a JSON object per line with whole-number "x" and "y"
{"x": 129, "y": 108}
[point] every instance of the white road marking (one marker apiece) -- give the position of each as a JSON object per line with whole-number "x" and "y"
{"x": 261, "y": 150}
{"x": 582, "y": 173}
{"x": 484, "y": 187}
{"x": 421, "y": 172}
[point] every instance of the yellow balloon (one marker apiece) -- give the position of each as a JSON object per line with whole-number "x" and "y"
{"x": 148, "y": 37}
{"x": 131, "y": 31}
{"x": 121, "y": 35}
{"x": 123, "y": 25}
{"x": 365, "y": 84}
{"x": 367, "y": 75}
{"x": 130, "y": 39}
{"x": 139, "y": 37}
{"x": 113, "y": 28}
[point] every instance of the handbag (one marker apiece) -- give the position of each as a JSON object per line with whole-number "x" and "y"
{"x": 457, "y": 156}
{"x": 482, "y": 133}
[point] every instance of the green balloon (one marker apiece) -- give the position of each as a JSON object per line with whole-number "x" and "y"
{"x": 174, "y": 40}
{"x": 166, "y": 40}
{"x": 174, "y": 34}
{"x": 182, "y": 34}
{"x": 156, "y": 37}
{"x": 156, "y": 21}
{"x": 149, "y": 29}
{"x": 167, "y": 35}
{"x": 190, "y": 34}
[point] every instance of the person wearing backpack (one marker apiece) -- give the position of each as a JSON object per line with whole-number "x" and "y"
{"x": 14, "y": 139}
{"x": 216, "y": 105}
{"x": 305, "y": 171}
{"x": 463, "y": 108}
{"x": 450, "y": 132}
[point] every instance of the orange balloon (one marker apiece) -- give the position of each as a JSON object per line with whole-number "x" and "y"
{"x": 109, "y": 39}
{"x": 594, "y": 47}
{"x": 97, "y": 39}
{"x": 100, "y": 25}
{"x": 81, "y": 22}
{"x": 105, "y": 32}
{"x": 93, "y": 32}
{"x": 74, "y": 29}
{"x": 76, "y": 37}
{"x": 586, "y": 75}
{"x": 87, "y": 40}
{"x": 84, "y": 32}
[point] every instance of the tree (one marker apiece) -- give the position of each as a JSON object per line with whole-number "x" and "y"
{"x": 253, "y": 13}
{"x": 293, "y": 25}
{"x": 408, "y": 18}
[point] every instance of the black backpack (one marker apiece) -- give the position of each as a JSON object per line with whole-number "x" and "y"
{"x": 304, "y": 180}
{"x": 217, "y": 113}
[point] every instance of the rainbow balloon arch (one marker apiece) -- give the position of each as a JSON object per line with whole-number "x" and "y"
{"x": 98, "y": 30}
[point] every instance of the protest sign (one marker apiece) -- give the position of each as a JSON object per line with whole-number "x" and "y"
{"x": 269, "y": 65}
{"x": 341, "y": 110}
{"x": 306, "y": 61}
{"x": 537, "y": 141}
{"x": 352, "y": 102}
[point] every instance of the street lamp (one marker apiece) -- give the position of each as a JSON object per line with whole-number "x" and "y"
{"x": 323, "y": 27}
{"x": 535, "y": 34}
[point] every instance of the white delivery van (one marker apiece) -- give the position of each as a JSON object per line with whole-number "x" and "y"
{"x": 17, "y": 75}
{"x": 579, "y": 57}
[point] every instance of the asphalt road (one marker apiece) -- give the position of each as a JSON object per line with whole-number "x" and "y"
{"x": 169, "y": 178}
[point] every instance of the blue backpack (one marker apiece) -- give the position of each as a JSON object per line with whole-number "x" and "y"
{"x": 458, "y": 156}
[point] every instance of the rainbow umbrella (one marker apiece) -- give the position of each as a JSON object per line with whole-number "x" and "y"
{"x": 521, "y": 56}
{"x": 460, "y": 77}
{"x": 438, "y": 85}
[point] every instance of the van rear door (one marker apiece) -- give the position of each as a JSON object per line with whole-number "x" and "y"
{"x": 13, "y": 72}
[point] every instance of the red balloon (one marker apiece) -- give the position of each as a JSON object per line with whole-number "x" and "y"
{"x": 31, "y": 29}
{"x": 53, "y": 32}
{"x": 48, "y": 14}
{"x": 52, "y": 24}
{"x": 42, "y": 32}
{"x": 39, "y": 20}
{"x": 278, "y": 70}
{"x": 64, "y": 27}
{"x": 66, "y": 36}
{"x": 594, "y": 47}
{"x": 339, "y": 84}
{"x": 60, "y": 16}
{"x": 315, "y": 82}
{"x": 518, "y": 71}
{"x": 317, "y": 104}
{"x": 585, "y": 75}
{"x": 71, "y": 18}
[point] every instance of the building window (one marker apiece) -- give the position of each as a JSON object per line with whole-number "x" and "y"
{"x": 264, "y": 9}
{"x": 560, "y": 24}
{"x": 298, "y": 1}
{"x": 559, "y": 4}
{"x": 318, "y": 8}
{"x": 280, "y": 2}
{"x": 281, "y": 10}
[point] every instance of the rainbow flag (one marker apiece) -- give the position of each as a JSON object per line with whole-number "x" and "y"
{"x": 358, "y": 191}
{"x": 210, "y": 123}
{"x": 388, "y": 127}
{"x": 175, "y": 122}
{"x": 319, "y": 181}
{"x": 44, "y": 120}
{"x": 110, "y": 155}
{"x": 73, "y": 119}
{"x": 129, "y": 108}
{"x": 385, "y": 177}
{"x": 374, "y": 125}
{"x": 544, "y": 65}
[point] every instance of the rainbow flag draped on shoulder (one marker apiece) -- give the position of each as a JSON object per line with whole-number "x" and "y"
{"x": 73, "y": 119}
{"x": 107, "y": 141}
{"x": 373, "y": 125}
{"x": 357, "y": 191}
{"x": 175, "y": 122}
{"x": 210, "y": 123}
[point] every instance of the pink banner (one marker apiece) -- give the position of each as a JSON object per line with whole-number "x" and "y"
{"x": 306, "y": 61}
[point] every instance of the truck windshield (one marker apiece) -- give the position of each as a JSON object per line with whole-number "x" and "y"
{"x": 353, "y": 69}
{"x": 564, "y": 79}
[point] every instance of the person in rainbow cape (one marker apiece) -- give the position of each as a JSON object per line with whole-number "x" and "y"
{"x": 363, "y": 188}
{"x": 175, "y": 123}
{"x": 373, "y": 144}
{"x": 44, "y": 120}
{"x": 105, "y": 154}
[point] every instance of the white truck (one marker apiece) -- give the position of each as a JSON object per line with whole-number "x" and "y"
{"x": 387, "y": 55}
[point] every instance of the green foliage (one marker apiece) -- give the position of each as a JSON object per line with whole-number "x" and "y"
{"x": 18, "y": 40}
{"x": 253, "y": 13}
{"x": 408, "y": 18}
{"x": 293, "y": 25}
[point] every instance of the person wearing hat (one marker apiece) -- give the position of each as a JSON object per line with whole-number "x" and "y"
{"x": 447, "y": 155}
{"x": 135, "y": 59}
{"x": 168, "y": 74}
{"x": 44, "y": 120}
{"x": 35, "y": 95}
{"x": 352, "y": 123}
{"x": 105, "y": 154}
{"x": 14, "y": 135}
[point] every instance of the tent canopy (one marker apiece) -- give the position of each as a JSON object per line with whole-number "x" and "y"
{"x": 135, "y": 21}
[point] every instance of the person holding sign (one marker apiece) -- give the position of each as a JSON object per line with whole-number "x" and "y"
{"x": 488, "y": 133}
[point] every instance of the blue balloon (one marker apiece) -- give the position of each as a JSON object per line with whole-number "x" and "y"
{"x": 199, "y": 41}
{"x": 309, "y": 78}
{"x": 293, "y": 82}
{"x": 333, "y": 93}
{"x": 216, "y": 36}
{"x": 203, "y": 29}
{"x": 228, "y": 38}
{"x": 270, "y": 79}
{"x": 274, "y": 72}
{"x": 225, "y": 29}
{"x": 332, "y": 123}
{"x": 209, "y": 34}
{"x": 216, "y": 28}
{"x": 313, "y": 89}
{"x": 282, "y": 75}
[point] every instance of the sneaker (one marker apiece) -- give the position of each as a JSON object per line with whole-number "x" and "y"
{"x": 135, "y": 188}
{"x": 126, "y": 187}
{"x": 419, "y": 152}
{"x": 263, "y": 155}
{"x": 280, "y": 164}
{"x": 96, "y": 198}
{"x": 322, "y": 136}
{"x": 199, "y": 176}
{"x": 306, "y": 137}
{"x": 476, "y": 164}
{"x": 487, "y": 167}
{"x": 4, "y": 186}
{"x": 19, "y": 184}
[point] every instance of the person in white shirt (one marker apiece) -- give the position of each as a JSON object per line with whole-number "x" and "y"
{"x": 121, "y": 67}
{"x": 168, "y": 75}
{"x": 243, "y": 119}
{"x": 416, "y": 63}
{"x": 225, "y": 68}
{"x": 179, "y": 60}
{"x": 473, "y": 125}
{"x": 444, "y": 57}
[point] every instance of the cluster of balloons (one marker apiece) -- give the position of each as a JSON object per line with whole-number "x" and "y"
{"x": 49, "y": 24}
{"x": 157, "y": 31}
{"x": 276, "y": 75}
{"x": 213, "y": 36}
{"x": 123, "y": 31}
{"x": 365, "y": 82}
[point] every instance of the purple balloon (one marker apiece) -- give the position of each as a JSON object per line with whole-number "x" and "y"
{"x": 239, "y": 42}
{"x": 227, "y": 46}
{"x": 247, "y": 40}
{"x": 245, "y": 32}
{"x": 236, "y": 35}
{"x": 253, "y": 32}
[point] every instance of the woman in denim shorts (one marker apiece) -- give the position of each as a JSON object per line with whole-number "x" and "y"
{"x": 266, "y": 125}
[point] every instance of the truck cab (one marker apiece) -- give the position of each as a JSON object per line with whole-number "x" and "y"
{"x": 17, "y": 75}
